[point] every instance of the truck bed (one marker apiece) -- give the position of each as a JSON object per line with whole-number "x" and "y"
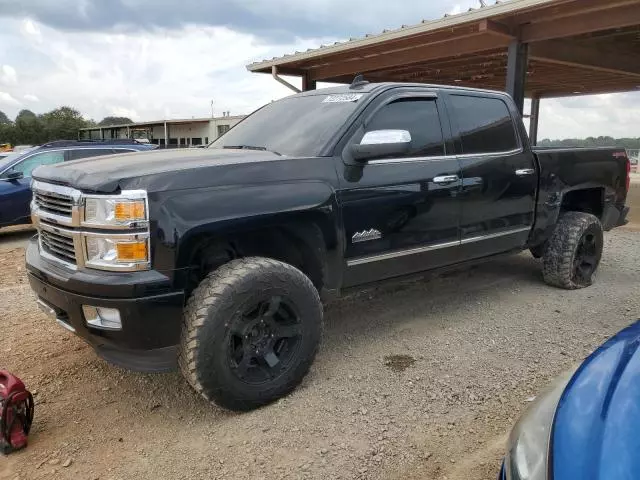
{"x": 599, "y": 173}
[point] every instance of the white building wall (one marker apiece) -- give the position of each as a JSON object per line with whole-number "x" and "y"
{"x": 184, "y": 132}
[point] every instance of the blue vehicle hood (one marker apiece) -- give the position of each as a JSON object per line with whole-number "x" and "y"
{"x": 596, "y": 431}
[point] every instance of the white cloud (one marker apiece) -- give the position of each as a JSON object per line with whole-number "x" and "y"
{"x": 124, "y": 112}
{"x": 150, "y": 75}
{"x": 614, "y": 115}
{"x": 153, "y": 74}
{"x": 8, "y": 75}
{"x": 30, "y": 28}
{"x": 7, "y": 100}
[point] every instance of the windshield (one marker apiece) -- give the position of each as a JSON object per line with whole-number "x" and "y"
{"x": 299, "y": 126}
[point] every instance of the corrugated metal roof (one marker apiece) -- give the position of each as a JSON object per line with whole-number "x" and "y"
{"x": 448, "y": 21}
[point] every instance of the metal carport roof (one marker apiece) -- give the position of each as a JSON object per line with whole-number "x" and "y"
{"x": 558, "y": 48}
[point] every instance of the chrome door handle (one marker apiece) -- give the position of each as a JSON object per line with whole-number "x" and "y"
{"x": 446, "y": 179}
{"x": 525, "y": 171}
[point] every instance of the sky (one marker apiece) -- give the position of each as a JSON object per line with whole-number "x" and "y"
{"x": 153, "y": 59}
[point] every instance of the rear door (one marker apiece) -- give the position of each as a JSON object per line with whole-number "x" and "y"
{"x": 401, "y": 214}
{"x": 499, "y": 177}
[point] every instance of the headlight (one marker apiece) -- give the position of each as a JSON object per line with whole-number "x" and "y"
{"x": 117, "y": 252}
{"x": 128, "y": 209}
{"x": 529, "y": 440}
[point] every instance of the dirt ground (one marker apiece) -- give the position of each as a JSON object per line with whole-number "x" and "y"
{"x": 415, "y": 380}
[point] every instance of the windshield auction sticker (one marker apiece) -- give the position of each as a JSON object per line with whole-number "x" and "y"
{"x": 343, "y": 98}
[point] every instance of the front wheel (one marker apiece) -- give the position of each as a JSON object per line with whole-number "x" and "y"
{"x": 574, "y": 251}
{"x": 251, "y": 331}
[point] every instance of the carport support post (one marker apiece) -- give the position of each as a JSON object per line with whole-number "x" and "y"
{"x": 166, "y": 135}
{"x": 517, "y": 72}
{"x": 533, "y": 120}
{"x": 308, "y": 83}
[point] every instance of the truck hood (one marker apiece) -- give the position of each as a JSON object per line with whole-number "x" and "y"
{"x": 595, "y": 431}
{"x": 153, "y": 170}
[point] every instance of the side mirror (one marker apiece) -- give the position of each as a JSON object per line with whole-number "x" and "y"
{"x": 381, "y": 143}
{"x": 14, "y": 175}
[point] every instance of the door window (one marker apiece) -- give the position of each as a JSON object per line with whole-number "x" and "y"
{"x": 43, "y": 158}
{"x": 485, "y": 124}
{"x": 88, "y": 152}
{"x": 419, "y": 117}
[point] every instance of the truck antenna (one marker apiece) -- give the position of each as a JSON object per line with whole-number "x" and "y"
{"x": 358, "y": 81}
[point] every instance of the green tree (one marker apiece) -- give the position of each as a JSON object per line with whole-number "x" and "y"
{"x": 62, "y": 123}
{"x": 4, "y": 120}
{"x": 106, "y": 121}
{"x": 28, "y": 129}
{"x": 7, "y": 130}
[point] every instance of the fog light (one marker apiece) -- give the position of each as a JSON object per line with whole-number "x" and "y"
{"x": 103, "y": 318}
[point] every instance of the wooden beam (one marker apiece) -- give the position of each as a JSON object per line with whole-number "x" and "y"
{"x": 623, "y": 16}
{"x": 563, "y": 52}
{"x": 495, "y": 28}
{"x": 307, "y": 83}
{"x": 461, "y": 46}
{"x": 390, "y": 45}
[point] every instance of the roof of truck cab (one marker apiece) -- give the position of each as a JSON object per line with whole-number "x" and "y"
{"x": 373, "y": 87}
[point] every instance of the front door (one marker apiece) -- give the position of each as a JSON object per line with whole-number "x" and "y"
{"x": 499, "y": 176}
{"x": 401, "y": 214}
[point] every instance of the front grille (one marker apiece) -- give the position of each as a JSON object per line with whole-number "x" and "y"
{"x": 59, "y": 245}
{"x": 55, "y": 203}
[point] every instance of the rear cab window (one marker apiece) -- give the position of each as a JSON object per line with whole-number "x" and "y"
{"x": 484, "y": 123}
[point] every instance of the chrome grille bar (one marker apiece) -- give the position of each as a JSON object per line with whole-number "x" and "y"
{"x": 58, "y": 245}
{"x": 57, "y": 204}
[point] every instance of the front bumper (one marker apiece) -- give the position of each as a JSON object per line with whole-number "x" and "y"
{"x": 150, "y": 312}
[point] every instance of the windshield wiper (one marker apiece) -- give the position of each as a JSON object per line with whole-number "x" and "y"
{"x": 249, "y": 147}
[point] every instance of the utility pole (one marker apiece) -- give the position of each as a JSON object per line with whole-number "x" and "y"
{"x": 211, "y": 108}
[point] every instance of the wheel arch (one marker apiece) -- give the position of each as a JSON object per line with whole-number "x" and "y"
{"x": 306, "y": 240}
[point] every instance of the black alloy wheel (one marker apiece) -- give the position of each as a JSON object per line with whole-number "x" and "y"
{"x": 264, "y": 341}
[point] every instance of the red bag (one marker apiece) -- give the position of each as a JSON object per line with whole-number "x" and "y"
{"x": 16, "y": 413}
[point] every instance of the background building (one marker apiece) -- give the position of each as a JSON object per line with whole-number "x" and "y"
{"x": 172, "y": 133}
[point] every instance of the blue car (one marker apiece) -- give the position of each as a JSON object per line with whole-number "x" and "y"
{"x": 587, "y": 425}
{"x": 15, "y": 170}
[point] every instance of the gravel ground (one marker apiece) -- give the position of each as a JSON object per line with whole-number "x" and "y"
{"x": 415, "y": 380}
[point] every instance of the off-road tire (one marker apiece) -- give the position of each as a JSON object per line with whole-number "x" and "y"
{"x": 203, "y": 356}
{"x": 559, "y": 262}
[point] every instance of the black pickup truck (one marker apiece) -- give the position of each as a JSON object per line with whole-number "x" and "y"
{"x": 216, "y": 259}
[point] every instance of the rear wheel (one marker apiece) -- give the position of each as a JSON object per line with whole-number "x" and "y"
{"x": 251, "y": 331}
{"x": 573, "y": 253}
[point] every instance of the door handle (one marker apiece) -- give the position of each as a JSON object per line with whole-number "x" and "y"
{"x": 525, "y": 171}
{"x": 446, "y": 179}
